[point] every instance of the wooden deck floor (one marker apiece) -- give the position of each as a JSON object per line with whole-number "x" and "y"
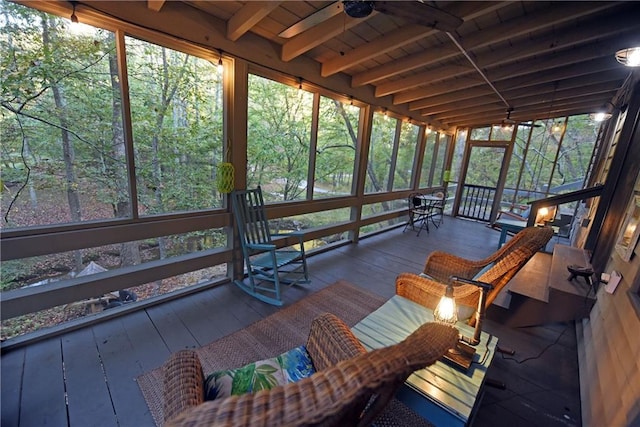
{"x": 96, "y": 387}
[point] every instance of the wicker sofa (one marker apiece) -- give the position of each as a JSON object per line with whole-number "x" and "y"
{"x": 351, "y": 386}
{"x": 497, "y": 270}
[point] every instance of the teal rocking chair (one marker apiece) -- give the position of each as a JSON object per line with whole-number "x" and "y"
{"x": 267, "y": 266}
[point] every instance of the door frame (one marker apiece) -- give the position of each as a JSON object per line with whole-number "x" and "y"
{"x": 502, "y": 177}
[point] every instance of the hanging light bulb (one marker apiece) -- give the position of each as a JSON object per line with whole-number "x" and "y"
{"x": 428, "y": 129}
{"x": 557, "y": 127}
{"x": 629, "y": 57}
{"x": 73, "y": 17}
{"x": 299, "y": 83}
{"x": 220, "y": 64}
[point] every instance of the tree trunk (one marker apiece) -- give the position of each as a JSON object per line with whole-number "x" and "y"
{"x": 68, "y": 152}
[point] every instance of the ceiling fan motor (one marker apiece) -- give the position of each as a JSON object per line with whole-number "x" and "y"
{"x": 358, "y": 9}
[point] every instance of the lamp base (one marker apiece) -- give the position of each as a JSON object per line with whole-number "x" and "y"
{"x": 461, "y": 356}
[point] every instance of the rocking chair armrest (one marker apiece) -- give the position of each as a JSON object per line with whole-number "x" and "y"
{"x": 261, "y": 246}
{"x": 298, "y": 234}
{"x": 183, "y": 383}
{"x": 428, "y": 292}
{"x": 331, "y": 341}
{"x": 441, "y": 266}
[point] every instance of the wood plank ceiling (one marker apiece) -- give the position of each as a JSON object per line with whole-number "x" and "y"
{"x": 540, "y": 59}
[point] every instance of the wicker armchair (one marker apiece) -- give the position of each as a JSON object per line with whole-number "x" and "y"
{"x": 499, "y": 269}
{"x": 338, "y": 394}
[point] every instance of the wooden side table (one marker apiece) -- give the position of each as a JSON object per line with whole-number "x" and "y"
{"x": 440, "y": 393}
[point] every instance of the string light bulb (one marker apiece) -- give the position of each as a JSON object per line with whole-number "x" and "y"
{"x": 427, "y": 129}
{"x": 220, "y": 64}
{"x": 629, "y": 57}
{"x": 73, "y": 17}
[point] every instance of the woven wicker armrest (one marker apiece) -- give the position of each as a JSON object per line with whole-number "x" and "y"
{"x": 428, "y": 292}
{"x": 331, "y": 341}
{"x": 183, "y": 383}
{"x": 441, "y": 266}
{"x": 335, "y": 396}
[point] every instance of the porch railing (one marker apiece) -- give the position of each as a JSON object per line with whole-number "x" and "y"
{"x": 476, "y": 202}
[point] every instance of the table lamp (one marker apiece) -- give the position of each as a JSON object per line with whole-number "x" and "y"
{"x": 446, "y": 312}
{"x": 546, "y": 214}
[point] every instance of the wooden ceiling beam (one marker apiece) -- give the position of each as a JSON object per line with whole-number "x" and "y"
{"x": 445, "y": 98}
{"x": 248, "y": 16}
{"x": 155, "y": 5}
{"x": 432, "y": 76}
{"x": 319, "y": 34}
{"x": 593, "y": 30}
{"x": 493, "y": 35}
{"x": 442, "y": 88}
{"x": 467, "y": 10}
{"x": 515, "y": 69}
{"x": 528, "y": 23}
{"x": 568, "y": 110}
{"x": 478, "y": 39}
{"x": 548, "y": 63}
{"x": 593, "y": 66}
{"x": 498, "y": 34}
{"x": 513, "y": 94}
{"x": 534, "y": 110}
{"x": 534, "y": 98}
{"x": 495, "y": 116}
{"x": 403, "y": 65}
{"x": 459, "y": 105}
{"x": 383, "y": 44}
{"x": 471, "y": 111}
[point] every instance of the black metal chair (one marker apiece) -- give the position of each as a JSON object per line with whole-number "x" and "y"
{"x": 436, "y": 208}
{"x": 267, "y": 266}
{"x": 418, "y": 213}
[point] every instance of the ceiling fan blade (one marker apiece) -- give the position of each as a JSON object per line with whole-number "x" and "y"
{"x": 529, "y": 125}
{"x": 419, "y": 13}
{"x": 312, "y": 20}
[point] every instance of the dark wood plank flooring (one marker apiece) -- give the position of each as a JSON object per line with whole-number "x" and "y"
{"x": 87, "y": 377}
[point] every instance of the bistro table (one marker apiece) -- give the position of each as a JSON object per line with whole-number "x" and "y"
{"x": 441, "y": 393}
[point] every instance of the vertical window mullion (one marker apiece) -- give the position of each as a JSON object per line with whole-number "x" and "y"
{"x": 394, "y": 154}
{"x": 313, "y": 145}
{"x": 126, "y": 121}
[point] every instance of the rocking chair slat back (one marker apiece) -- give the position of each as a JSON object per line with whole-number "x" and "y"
{"x": 252, "y": 217}
{"x": 267, "y": 266}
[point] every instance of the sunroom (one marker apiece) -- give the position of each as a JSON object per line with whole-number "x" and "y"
{"x": 120, "y": 119}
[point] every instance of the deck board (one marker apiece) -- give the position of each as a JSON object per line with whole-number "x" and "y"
{"x": 174, "y": 332}
{"x": 121, "y": 349}
{"x": 149, "y": 349}
{"x": 11, "y": 370}
{"x": 121, "y": 367}
{"x": 88, "y": 394}
{"x": 43, "y": 390}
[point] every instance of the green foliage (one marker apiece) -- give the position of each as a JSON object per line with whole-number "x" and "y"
{"x": 279, "y": 135}
{"x": 380, "y": 151}
{"x": 407, "y": 146}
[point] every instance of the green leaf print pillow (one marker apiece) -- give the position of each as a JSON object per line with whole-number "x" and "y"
{"x": 290, "y": 366}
